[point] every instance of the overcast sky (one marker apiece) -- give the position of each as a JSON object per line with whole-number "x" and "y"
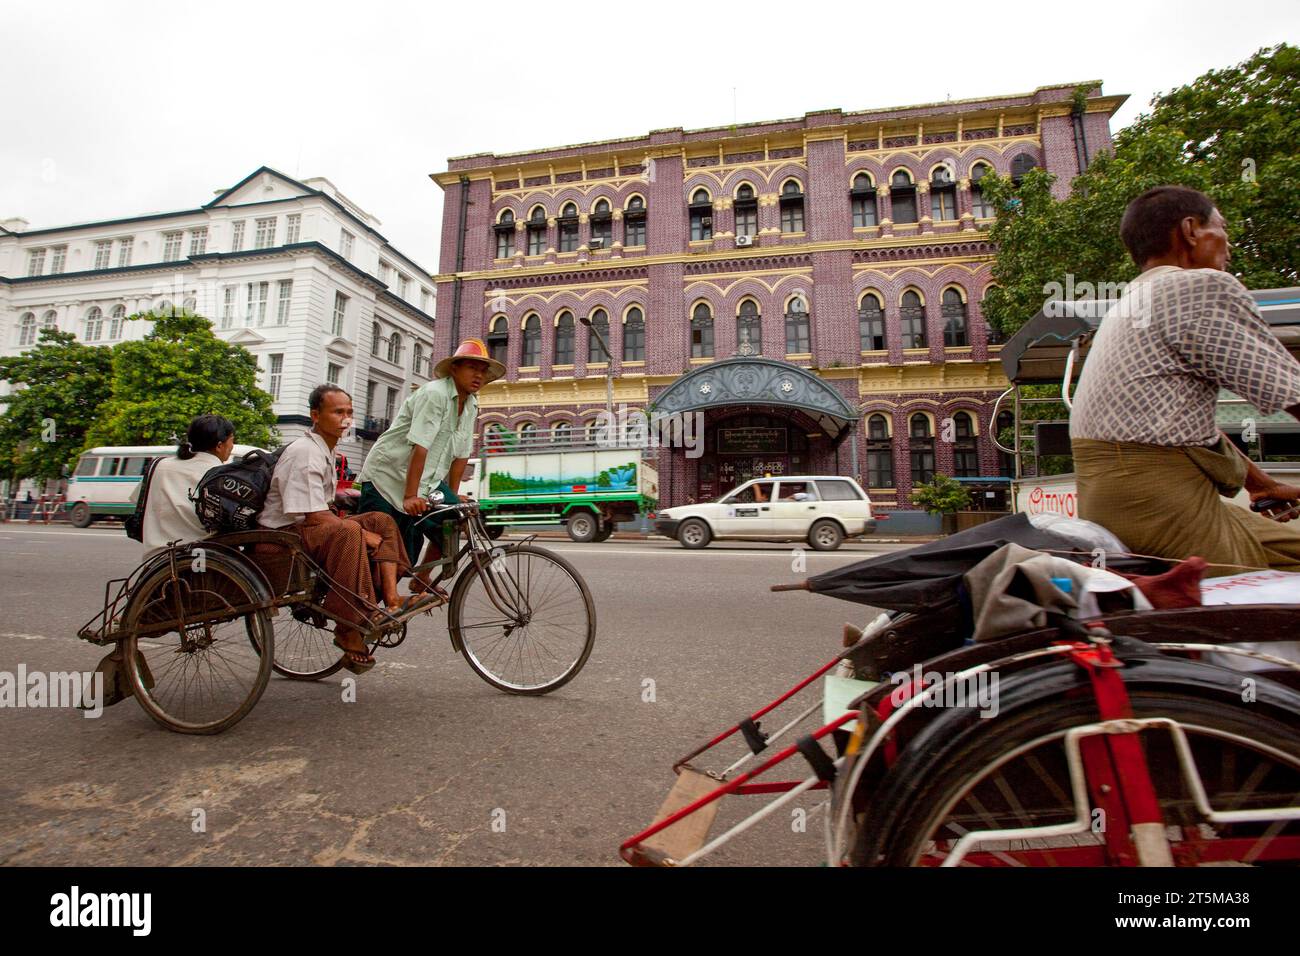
{"x": 118, "y": 109}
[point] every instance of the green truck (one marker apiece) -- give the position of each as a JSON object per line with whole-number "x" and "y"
{"x": 587, "y": 488}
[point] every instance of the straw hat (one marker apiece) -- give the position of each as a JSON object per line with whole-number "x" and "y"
{"x": 471, "y": 349}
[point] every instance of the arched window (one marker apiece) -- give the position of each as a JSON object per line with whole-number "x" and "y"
{"x": 792, "y": 206}
{"x": 746, "y": 209}
{"x": 592, "y": 433}
{"x": 528, "y": 435}
{"x": 536, "y": 231}
{"x": 532, "y": 354}
{"x": 94, "y": 324}
{"x": 701, "y": 331}
{"x": 749, "y": 326}
{"x": 911, "y": 316}
{"x": 498, "y": 339}
{"x": 494, "y": 439}
{"x": 189, "y": 305}
{"x": 1021, "y": 164}
{"x": 568, "y": 223}
{"x": 563, "y": 339}
{"x": 953, "y": 309}
{"x": 921, "y": 449}
{"x": 701, "y": 212}
{"x": 634, "y": 336}
{"x": 417, "y": 358}
{"x": 599, "y": 323}
{"x": 505, "y": 231}
{"x": 115, "y": 326}
{"x": 871, "y": 324}
{"x": 981, "y": 208}
{"x": 602, "y": 224}
{"x": 50, "y": 320}
{"x": 395, "y": 348}
{"x": 375, "y": 337}
{"x": 1006, "y": 463}
{"x": 561, "y": 432}
{"x": 797, "y": 339}
{"x": 943, "y": 195}
{"x": 965, "y": 457}
{"x": 634, "y": 218}
{"x": 903, "y": 193}
{"x": 27, "y": 330}
{"x": 880, "y": 453}
{"x": 863, "y": 198}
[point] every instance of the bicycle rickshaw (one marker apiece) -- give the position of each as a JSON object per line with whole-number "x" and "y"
{"x": 1119, "y": 739}
{"x": 199, "y": 628}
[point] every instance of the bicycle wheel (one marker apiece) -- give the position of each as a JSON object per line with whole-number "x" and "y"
{"x": 525, "y": 621}
{"x": 304, "y": 645}
{"x": 962, "y": 774}
{"x": 201, "y": 664}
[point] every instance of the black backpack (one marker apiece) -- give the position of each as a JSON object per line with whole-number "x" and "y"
{"x": 134, "y": 523}
{"x": 231, "y": 496}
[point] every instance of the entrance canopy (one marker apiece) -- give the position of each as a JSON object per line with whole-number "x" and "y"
{"x": 752, "y": 380}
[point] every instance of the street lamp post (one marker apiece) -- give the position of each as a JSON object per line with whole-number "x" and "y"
{"x": 609, "y": 366}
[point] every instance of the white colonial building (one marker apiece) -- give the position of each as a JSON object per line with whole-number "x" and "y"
{"x": 293, "y": 271}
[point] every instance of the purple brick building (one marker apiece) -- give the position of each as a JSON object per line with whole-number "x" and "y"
{"x": 812, "y": 286}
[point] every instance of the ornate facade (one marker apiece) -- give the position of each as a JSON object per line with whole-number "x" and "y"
{"x": 752, "y": 272}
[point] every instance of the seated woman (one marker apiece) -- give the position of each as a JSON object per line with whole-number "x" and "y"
{"x": 169, "y": 513}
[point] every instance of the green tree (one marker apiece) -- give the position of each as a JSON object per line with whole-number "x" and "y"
{"x": 1231, "y": 133}
{"x": 942, "y": 495}
{"x": 177, "y": 371}
{"x": 63, "y": 384}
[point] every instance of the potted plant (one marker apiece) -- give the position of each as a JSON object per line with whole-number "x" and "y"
{"x": 942, "y": 496}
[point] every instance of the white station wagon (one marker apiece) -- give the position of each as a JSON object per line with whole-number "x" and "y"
{"x": 821, "y": 509}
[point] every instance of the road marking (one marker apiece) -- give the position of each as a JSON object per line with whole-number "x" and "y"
{"x": 782, "y": 554}
{"x": 107, "y": 536}
{"x": 25, "y": 637}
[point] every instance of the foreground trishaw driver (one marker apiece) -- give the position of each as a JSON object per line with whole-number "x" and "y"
{"x": 426, "y": 448}
{"x": 1152, "y": 465}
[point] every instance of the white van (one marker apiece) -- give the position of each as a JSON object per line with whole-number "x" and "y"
{"x": 107, "y": 480}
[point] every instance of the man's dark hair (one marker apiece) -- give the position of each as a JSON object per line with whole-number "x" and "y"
{"x": 1150, "y": 218}
{"x": 320, "y": 391}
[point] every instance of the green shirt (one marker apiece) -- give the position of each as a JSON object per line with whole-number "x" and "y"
{"x": 428, "y": 417}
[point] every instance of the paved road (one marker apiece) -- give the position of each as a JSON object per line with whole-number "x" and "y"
{"x": 417, "y": 770}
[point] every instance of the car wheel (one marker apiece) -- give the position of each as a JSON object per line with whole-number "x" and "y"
{"x": 80, "y": 515}
{"x": 825, "y": 535}
{"x": 694, "y": 534}
{"x": 582, "y": 526}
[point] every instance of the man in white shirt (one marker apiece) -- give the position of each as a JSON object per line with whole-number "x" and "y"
{"x": 302, "y": 488}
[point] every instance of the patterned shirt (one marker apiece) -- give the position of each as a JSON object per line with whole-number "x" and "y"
{"x": 429, "y": 417}
{"x": 1163, "y": 352}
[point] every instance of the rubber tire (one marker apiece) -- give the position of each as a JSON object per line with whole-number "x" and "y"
{"x": 834, "y": 536}
{"x": 704, "y": 534}
{"x": 957, "y": 745}
{"x": 582, "y": 526}
{"x": 80, "y": 515}
{"x": 254, "y": 590}
{"x": 603, "y": 535}
{"x": 457, "y": 603}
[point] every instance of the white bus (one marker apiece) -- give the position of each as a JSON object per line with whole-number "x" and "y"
{"x": 107, "y": 480}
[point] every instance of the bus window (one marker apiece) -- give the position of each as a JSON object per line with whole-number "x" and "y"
{"x": 86, "y": 467}
{"x": 134, "y": 467}
{"x": 113, "y": 466}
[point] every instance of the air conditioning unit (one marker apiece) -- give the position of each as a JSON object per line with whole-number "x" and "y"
{"x": 742, "y": 241}
{"x": 598, "y": 243}
{"x": 706, "y": 220}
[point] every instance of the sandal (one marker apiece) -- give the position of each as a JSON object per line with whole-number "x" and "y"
{"x": 357, "y": 661}
{"x": 419, "y": 587}
{"x": 414, "y": 602}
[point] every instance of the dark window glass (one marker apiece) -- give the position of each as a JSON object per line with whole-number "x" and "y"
{"x": 1006, "y": 463}
{"x": 965, "y": 455}
{"x": 863, "y": 196}
{"x": 954, "y": 319}
{"x": 701, "y": 332}
{"x": 634, "y": 218}
{"x": 904, "y": 197}
{"x": 537, "y": 232}
{"x": 568, "y": 223}
{"x": 880, "y": 453}
{"x": 912, "y": 318}
{"x": 564, "y": 339}
{"x": 746, "y": 209}
{"x": 498, "y": 341}
{"x": 505, "y": 230}
{"x": 749, "y": 326}
{"x": 837, "y": 491}
{"x": 532, "y": 354}
{"x": 1022, "y": 164}
{"x": 791, "y": 208}
{"x": 981, "y": 208}
{"x": 599, "y": 322}
{"x": 86, "y": 466}
{"x": 921, "y": 450}
{"x": 796, "y": 329}
{"x": 871, "y": 325}
{"x": 634, "y": 336}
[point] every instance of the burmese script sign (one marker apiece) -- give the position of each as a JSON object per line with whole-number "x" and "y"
{"x": 751, "y": 441}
